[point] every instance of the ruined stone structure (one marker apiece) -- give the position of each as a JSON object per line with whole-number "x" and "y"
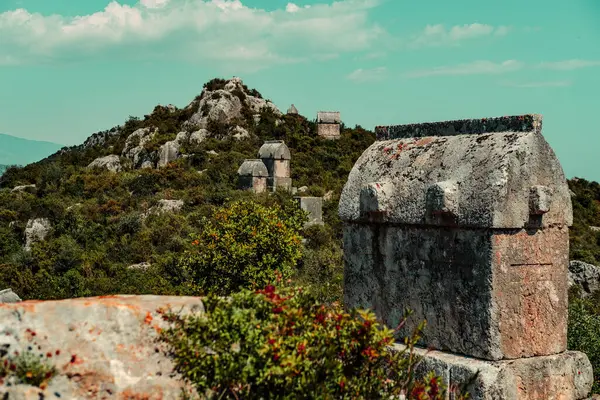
{"x": 314, "y": 207}
{"x": 328, "y": 124}
{"x": 466, "y": 223}
{"x": 292, "y": 110}
{"x": 252, "y": 175}
{"x": 276, "y": 157}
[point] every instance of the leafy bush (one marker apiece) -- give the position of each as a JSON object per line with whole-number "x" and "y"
{"x": 243, "y": 244}
{"x": 281, "y": 343}
{"x": 584, "y": 331}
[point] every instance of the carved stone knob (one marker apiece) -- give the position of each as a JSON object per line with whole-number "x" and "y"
{"x": 442, "y": 198}
{"x": 540, "y": 198}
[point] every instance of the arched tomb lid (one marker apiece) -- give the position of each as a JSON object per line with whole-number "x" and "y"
{"x": 253, "y": 168}
{"x": 328, "y": 117}
{"x": 484, "y": 173}
{"x": 274, "y": 149}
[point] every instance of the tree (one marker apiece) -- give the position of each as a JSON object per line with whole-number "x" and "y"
{"x": 243, "y": 244}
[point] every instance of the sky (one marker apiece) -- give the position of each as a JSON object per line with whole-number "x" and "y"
{"x": 69, "y": 68}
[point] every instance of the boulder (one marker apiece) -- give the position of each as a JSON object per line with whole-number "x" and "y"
{"x": 111, "y": 163}
{"x": 102, "y": 348}
{"x": 199, "y": 136}
{"x": 147, "y": 164}
{"x": 168, "y": 152}
{"x": 240, "y": 133}
{"x": 584, "y": 275}
{"x": 36, "y": 231}
{"x": 8, "y": 296}
{"x": 165, "y": 206}
{"x": 141, "y": 266}
{"x": 134, "y": 146}
{"x": 182, "y": 137}
{"x": 24, "y": 188}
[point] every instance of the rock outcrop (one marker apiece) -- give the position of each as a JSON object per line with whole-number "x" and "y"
{"x": 229, "y": 104}
{"x": 584, "y": 275}
{"x": 165, "y": 206}
{"x": 134, "y": 146}
{"x": 24, "y": 188}
{"x": 36, "y": 231}
{"x": 102, "y": 348}
{"x": 101, "y": 138}
{"x": 111, "y": 163}
{"x": 226, "y": 105}
{"x": 168, "y": 152}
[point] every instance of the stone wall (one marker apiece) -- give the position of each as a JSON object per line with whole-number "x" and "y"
{"x": 328, "y": 131}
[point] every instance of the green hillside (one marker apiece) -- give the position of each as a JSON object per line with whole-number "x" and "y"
{"x": 102, "y": 221}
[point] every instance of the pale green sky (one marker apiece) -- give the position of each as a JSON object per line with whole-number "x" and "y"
{"x": 69, "y": 68}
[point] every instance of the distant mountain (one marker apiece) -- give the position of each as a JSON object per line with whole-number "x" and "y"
{"x": 19, "y": 151}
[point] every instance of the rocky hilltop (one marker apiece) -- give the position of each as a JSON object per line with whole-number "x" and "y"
{"x": 225, "y": 108}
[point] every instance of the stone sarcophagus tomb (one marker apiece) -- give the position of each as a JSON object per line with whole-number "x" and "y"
{"x": 253, "y": 175}
{"x": 276, "y": 156}
{"x": 466, "y": 223}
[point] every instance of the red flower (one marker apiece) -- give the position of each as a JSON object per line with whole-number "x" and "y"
{"x": 270, "y": 289}
{"x": 301, "y": 348}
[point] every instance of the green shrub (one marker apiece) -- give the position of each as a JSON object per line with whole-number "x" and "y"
{"x": 584, "y": 333}
{"x": 241, "y": 244}
{"x": 281, "y": 343}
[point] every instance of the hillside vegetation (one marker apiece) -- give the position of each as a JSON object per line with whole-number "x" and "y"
{"x": 109, "y": 234}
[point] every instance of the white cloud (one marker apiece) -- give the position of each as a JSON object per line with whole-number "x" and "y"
{"x": 291, "y": 7}
{"x": 538, "y": 84}
{"x": 209, "y": 31}
{"x": 568, "y": 65}
{"x": 438, "y": 35}
{"x": 154, "y": 3}
{"x": 367, "y": 75}
{"x": 474, "y": 68}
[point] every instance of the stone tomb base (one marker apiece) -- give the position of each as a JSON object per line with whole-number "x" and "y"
{"x": 564, "y": 376}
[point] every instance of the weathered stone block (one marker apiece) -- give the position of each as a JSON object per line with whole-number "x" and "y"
{"x": 540, "y": 198}
{"x": 108, "y": 346}
{"x": 467, "y": 229}
{"x": 512, "y": 308}
{"x": 328, "y": 131}
{"x": 566, "y": 375}
{"x": 314, "y": 207}
{"x": 277, "y": 183}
